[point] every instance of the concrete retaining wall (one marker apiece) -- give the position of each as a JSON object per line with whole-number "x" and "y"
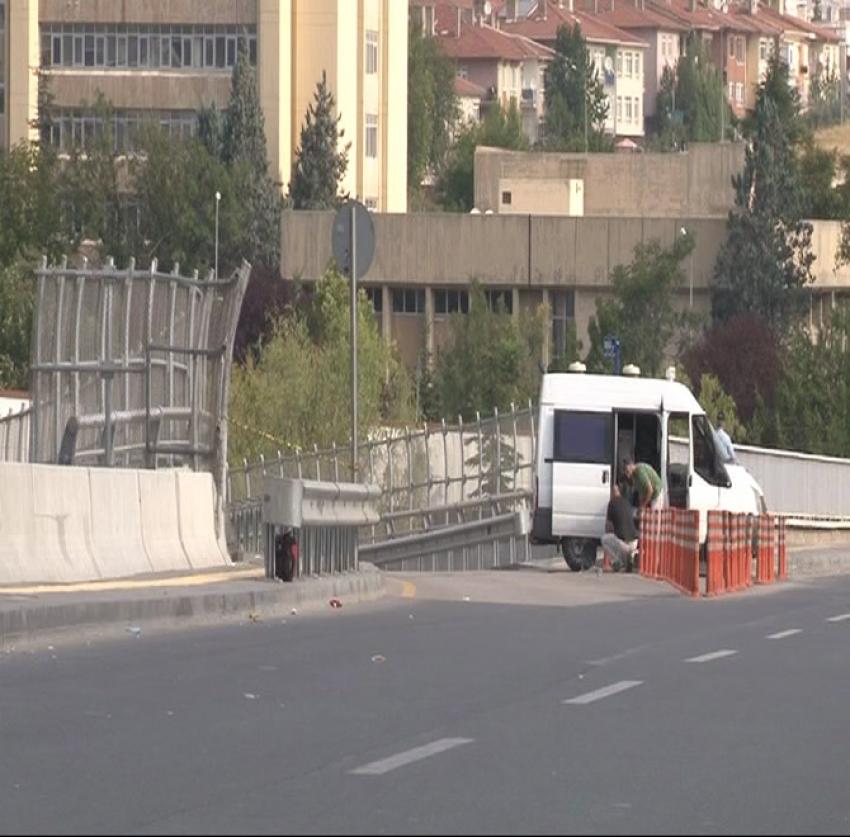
{"x": 64, "y": 524}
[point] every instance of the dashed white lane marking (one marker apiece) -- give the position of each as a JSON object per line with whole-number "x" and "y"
{"x": 840, "y": 618}
{"x": 607, "y": 691}
{"x": 783, "y": 634}
{"x": 714, "y": 655}
{"x": 377, "y": 768}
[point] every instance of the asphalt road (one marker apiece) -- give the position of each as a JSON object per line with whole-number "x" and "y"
{"x": 633, "y": 710}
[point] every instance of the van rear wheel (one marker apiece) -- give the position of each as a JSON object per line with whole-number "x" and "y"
{"x": 579, "y": 553}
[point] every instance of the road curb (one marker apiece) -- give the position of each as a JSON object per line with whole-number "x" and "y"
{"x": 50, "y": 615}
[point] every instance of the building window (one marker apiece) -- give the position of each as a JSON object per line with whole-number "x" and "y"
{"x": 563, "y": 315}
{"x": 619, "y": 107}
{"x": 628, "y": 108}
{"x": 762, "y": 50}
{"x": 739, "y": 93}
{"x": 628, "y": 65}
{"x": 731, "y": 91}
{"x": 637, "y": 65}
{"x": 408, "y": 301}
{"x": 451, "y": 302}
{"x": 372, "y": 135}
{"x": 619, "y": 63}
{"x": 731, "y": 41}
{"x": 500, "y": 300}
{"x": 637, "y": 109}
{"x": 462, "y": 71}
{"x": 739, "y": 49}
{"x": 371, "y": 52}
{"x": 76, "y": 128}
{"x": 506, "y": 198}
{"x": 376, "y": 298}
{"x": 120, "y": 45}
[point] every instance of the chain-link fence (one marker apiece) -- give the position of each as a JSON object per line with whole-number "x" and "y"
{"x": 132, "y": 367}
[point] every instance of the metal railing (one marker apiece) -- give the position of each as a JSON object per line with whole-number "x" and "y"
{"x": 437, "y": 464}
{"x": 15, "y": 436}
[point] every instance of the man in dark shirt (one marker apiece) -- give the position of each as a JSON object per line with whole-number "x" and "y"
{"x": 620, "y": 541}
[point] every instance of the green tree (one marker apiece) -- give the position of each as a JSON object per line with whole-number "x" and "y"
{"x": 432, "y": 107}
{"x": 810, "y": 406}
{"x": 294, "y": 393}
{"x": 716, "y": 401}
{"x": 489, "y": 359}
{"x": 244, "y": 142}
{"x": 641, "y": 311}
{"x": 320, "y": 163}
{"x": 576, "y": 105}
{"x": 700, "y": 93}
{"x": 777, "y": 87}
{"x": 174, "y": 185}
{"x": 767, "y": 257}
{"x": 17, "y": 305}
{"x": 500, "y": 129}
{"x": 824, "y": 99}
{"x": 669, "y": 131}
{"x": 818, "y": 171}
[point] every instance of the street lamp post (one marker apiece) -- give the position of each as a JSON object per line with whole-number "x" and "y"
{"x": 217, "y": 202}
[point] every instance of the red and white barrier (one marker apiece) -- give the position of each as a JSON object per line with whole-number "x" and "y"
{"x": 669, "y": 547}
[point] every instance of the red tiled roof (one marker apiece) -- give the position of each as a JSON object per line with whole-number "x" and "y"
{"x": 594, "y": 29}
{"x": 486, "y": 42}
{"x": 466, "y": 88}
{"x": 788, "y": 23}
{"x": 625, "y": 15}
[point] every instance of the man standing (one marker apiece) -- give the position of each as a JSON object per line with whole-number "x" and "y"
{"x": 724, "y": 442}
{"x": 646, "y": 482}
{"x": 620, "y": 541}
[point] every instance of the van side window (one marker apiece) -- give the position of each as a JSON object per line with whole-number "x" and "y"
{"x": 706, "y": 461}
{"x": 583, "y": 437}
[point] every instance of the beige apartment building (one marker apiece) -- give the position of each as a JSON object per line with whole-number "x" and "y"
{"x": 162, "y": 60}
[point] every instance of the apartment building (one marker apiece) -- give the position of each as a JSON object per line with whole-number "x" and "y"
{"x": 619, "y": 58}
{"x": 162, "y": 60}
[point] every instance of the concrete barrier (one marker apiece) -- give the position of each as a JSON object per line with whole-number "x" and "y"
{"x": 117, "y": 522}
{"x": 160, "y": 521}
{"x": 196, "y": 513}
{"x": 64, "y": 524}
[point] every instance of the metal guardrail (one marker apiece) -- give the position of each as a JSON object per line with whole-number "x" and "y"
{"x": 326, "y": 517}
{"x": 496, "y": 541}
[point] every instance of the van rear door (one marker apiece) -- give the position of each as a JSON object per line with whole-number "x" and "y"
{"x": 581, "y": 472}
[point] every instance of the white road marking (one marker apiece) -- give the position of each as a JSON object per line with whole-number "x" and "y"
{"x": 377, "y": 768}
{"x": 607, "y": 691}
{"x": 714, "y": 655}
{"x": 840, "y": 618}
{"x": 783, "y": 634}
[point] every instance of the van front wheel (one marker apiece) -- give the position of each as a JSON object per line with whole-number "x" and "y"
{"x": 579, "y": 553}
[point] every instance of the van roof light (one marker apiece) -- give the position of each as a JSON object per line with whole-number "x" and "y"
{"x": 577, "y": 366}
{"x": 670, "y": 374}
{"x": 631, "y": 370}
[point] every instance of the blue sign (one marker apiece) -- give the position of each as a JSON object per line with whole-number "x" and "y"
{"x": 611, "y": 348}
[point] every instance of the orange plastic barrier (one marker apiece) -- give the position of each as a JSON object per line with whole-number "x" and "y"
{"x": 669, "y": 547}
{"x": 783, "y": 554}
{"x": 715, "y": 551}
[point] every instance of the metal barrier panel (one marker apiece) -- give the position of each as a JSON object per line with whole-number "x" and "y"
{"x": 132, "y": 367}
{"x": 15, "y": 436}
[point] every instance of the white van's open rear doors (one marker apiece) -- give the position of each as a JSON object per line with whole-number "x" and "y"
{"x": 582, "y": 454}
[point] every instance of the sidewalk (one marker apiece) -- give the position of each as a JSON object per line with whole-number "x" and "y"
{"x": 240, "y": 592}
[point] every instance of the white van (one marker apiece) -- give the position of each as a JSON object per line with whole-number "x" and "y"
{"x": 589, "y": 423}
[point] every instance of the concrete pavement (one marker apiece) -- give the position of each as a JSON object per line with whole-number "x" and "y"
{"x": 39, "y": 613}
{"x": 421, "y": 715}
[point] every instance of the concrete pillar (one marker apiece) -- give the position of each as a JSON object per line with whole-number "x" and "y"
{"x": 275, "y": 64}
{"x": 386, "y": 313}
{"x": 22, "y": 76}
{"x": 429, "y": 321}
{"x": 547, "y": 337}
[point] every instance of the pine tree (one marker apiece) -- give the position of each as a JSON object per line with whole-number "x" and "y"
{"x": 767, "y": 256}
{"x": 700, "y": 93}
{"x": 576, "y": 104}
{"x": 320, "y": 163}
{"x": 243, "y": 145}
